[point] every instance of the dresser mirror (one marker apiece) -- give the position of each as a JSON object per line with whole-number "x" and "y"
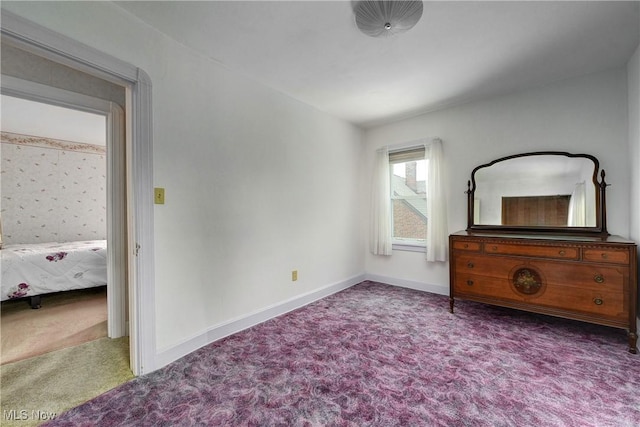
{"x": 538, "y": 192}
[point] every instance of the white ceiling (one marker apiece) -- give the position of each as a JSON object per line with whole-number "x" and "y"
{"x": 458, "y": 52}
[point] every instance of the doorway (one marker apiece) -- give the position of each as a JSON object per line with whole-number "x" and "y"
{"x": 62, "y": 161}
{"x": 55, "y": 47}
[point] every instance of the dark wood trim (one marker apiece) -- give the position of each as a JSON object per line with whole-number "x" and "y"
{"x": 601, "y": 217}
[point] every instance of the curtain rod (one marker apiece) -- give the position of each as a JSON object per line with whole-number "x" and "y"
{"x": 410, "y": 144}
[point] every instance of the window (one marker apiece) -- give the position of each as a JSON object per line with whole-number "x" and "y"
{"x": 399, "y": 204}
{"x": 408, "y": 175}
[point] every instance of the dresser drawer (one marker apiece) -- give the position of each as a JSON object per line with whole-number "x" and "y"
{"x": 467, "y": 246}
{"x": 470, "y": 284}
{"x": 559, "y": 252}
{"x": 610, "y": 304}
{"x": 568, "y": 274}
{"x": 600, "y": 303}
{"x": 583, "y": 276}
{"x": 612, "y": 256}
{"x": 484, "y": 265}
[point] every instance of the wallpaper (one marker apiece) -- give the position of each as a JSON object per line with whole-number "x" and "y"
{"x": 51, "y": 190}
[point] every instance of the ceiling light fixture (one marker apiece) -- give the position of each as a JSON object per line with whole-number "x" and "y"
{"x": 386, "y": 18}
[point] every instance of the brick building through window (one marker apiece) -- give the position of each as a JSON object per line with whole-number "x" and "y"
{"x": 409, "y": 203}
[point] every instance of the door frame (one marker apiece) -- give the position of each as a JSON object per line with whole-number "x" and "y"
{"x": 139, "y": 171}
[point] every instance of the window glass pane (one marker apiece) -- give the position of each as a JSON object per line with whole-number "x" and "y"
{"x": 409, "y": 203}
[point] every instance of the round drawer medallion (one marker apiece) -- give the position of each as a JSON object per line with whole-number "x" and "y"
{"x": 527, "y": 281}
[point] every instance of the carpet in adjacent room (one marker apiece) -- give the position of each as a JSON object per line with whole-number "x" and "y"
{"x": 54, "y": 382}
{"x": 66, "y": 319}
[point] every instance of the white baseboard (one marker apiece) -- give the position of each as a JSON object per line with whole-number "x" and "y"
{"x": 168, "y": 355}
{"x": 411, "y": 284}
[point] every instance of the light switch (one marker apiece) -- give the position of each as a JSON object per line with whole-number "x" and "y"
{"x": 158, "y": 196}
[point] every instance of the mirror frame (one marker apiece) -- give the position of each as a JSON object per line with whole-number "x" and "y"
{"x": 600, "y": 187}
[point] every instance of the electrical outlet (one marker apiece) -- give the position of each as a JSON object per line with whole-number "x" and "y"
{"x": 294, "y": 275}
{"x": 158, "y": 196}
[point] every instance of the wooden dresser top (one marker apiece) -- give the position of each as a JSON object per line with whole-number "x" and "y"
{"x": 546, "y": 237}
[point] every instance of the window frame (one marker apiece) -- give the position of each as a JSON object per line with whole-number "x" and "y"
{"x": 397, "y": 157}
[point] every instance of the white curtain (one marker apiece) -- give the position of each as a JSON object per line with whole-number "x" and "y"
{"x": 380, "y": 240}
{"x": 437, "y": 229}
{"x": 578, "y": 206}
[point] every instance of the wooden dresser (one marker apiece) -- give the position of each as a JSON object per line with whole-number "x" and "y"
{"x": 592, "y": 278}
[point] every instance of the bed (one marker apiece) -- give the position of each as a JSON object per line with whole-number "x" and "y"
{"x": 32, "y": 270}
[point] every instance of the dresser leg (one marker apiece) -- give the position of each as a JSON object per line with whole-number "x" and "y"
{"x": 451, "y": 305}
{"x": 633, "y": 340}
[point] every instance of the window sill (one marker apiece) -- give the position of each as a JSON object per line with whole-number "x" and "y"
{"x": 407, "y": 248}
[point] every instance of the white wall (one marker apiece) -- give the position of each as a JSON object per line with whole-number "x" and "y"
{"x": 633, "y": 82}
{"x": 581, "y": 115}
{"x": 633, "y": 75}
{"x": 33, "y": 118}
{"x": 257, "y": 184}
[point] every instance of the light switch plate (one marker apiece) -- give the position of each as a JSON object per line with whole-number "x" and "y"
{"x": 158, "y": 196}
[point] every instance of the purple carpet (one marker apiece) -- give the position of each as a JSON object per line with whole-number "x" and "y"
{"x": 377, "y": 355}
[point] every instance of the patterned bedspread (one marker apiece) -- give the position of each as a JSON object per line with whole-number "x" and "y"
{"x": 34, "y": 269}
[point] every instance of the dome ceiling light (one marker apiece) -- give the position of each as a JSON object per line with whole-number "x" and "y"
{"x": 386, "y": 18}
